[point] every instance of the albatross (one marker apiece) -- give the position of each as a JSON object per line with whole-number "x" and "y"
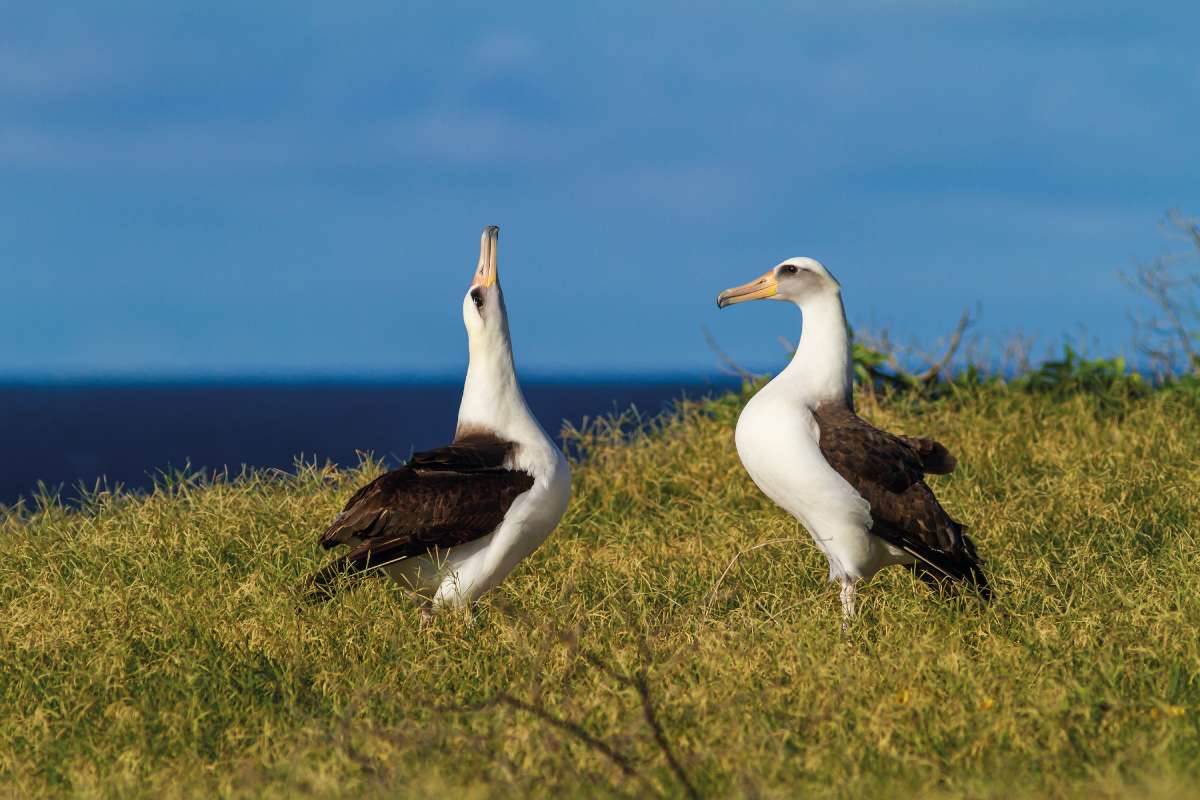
{"x": 859, "y": 491}
{"x": 453, "y": 522}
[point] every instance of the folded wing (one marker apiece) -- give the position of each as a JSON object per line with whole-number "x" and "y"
{"x": 439, "y": 499}
{"x": 889, "y": 471}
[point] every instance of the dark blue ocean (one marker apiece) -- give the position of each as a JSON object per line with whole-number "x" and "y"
{"x": 65, "y": 434}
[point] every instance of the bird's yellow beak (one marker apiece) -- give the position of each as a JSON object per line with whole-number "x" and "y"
{"x": 757, "y": 289}
{"x": 486, "y": 273}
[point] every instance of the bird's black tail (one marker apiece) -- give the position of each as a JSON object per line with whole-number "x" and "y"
{"x": 975, "y": 565}
{"x": 938, "y": 568}
{"x": 324, "y": 584}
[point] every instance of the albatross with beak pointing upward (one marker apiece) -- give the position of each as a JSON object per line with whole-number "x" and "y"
{"x": 858, "y": 490}
{"x": 453, "y": 522}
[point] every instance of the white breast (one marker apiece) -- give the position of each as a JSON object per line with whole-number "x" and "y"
{"x": 536, "y": 513}
{"x": 477, "y": 567}
{"x": 778, "y": 443}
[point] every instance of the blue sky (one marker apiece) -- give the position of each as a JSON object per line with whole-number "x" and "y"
{"x": 282, "y": 188}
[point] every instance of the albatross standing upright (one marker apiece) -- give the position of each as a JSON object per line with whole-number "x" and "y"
{"x": 858, "y": 490}
{"x": 453, "y": 522}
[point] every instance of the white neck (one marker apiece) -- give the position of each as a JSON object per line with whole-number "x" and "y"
{"x": 820, "y": 369}
{"x": 492, "y": 399}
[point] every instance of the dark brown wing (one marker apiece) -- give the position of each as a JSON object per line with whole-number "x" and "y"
{"x": 889, "y": 471}
{"x": 935, "y": 458}
{"x": 439, "y": 499}
{"x": 472, "y": 452}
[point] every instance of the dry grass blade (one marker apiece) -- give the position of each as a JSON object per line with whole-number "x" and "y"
{"x": 712, "y": 593}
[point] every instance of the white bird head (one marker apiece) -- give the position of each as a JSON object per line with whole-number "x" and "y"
{"x": 798, "y": 280}
{"x": 484, "y": 313}
{"x": 492, "y": 399}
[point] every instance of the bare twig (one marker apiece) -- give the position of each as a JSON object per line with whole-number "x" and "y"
{"x": 890, "y": 368}
{"x": 573, "y": 728}
{"x": 880, "y": 341}
{"x": 572, "y": 637}
{"x": 930, "y": 375}
{"x": 1189, "y": 227}
{"x": 1169, "y": 336}
{"x": 642, "y": 682}
{"x": 1017, "y": 351}
{"x": 731, "y": 366}
{"x": 599, "y": 664}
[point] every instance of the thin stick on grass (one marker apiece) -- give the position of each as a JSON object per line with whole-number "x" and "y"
{"x": 642, "y": 682}
{"x": 575, "y": 729}
{"x": 712, "y": 593}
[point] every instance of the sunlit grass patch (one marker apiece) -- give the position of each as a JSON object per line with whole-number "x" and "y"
{"x": 676, "y": 630}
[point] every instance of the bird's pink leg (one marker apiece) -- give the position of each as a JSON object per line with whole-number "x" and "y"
{"x": 848, "y": 592}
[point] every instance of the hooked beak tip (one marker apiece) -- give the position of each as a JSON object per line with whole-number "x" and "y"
{"x": 486, "y": 272}
{"x": 757, "y": 289}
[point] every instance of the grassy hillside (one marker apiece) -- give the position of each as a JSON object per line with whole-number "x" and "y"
{"x": 676, "y": 628}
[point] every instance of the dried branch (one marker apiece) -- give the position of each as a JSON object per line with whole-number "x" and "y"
{"x": 1017, "y": 352}
{"x": 731, "y": 366}
{"x": 881, "y": 360}
{"x": 930, "y": 375}
{"x": 642, "y": 682}
{"x": 1188, "y": 226}
{"x": 599, "y": 664}
{"x": 881, "y": 342}
{"x": 1169, "y": 335}
{"x": 575, "y": 729}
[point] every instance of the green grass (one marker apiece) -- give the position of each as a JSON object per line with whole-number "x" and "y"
{"x": 153, "y": 646}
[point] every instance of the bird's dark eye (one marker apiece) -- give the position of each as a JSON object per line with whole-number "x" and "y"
{"x": 790, "y": 269}
{"x": 477, "y": 298}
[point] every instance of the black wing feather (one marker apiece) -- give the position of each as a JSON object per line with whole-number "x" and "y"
{"x": 439, "y": 499}
{"x": 889, "y": 471}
